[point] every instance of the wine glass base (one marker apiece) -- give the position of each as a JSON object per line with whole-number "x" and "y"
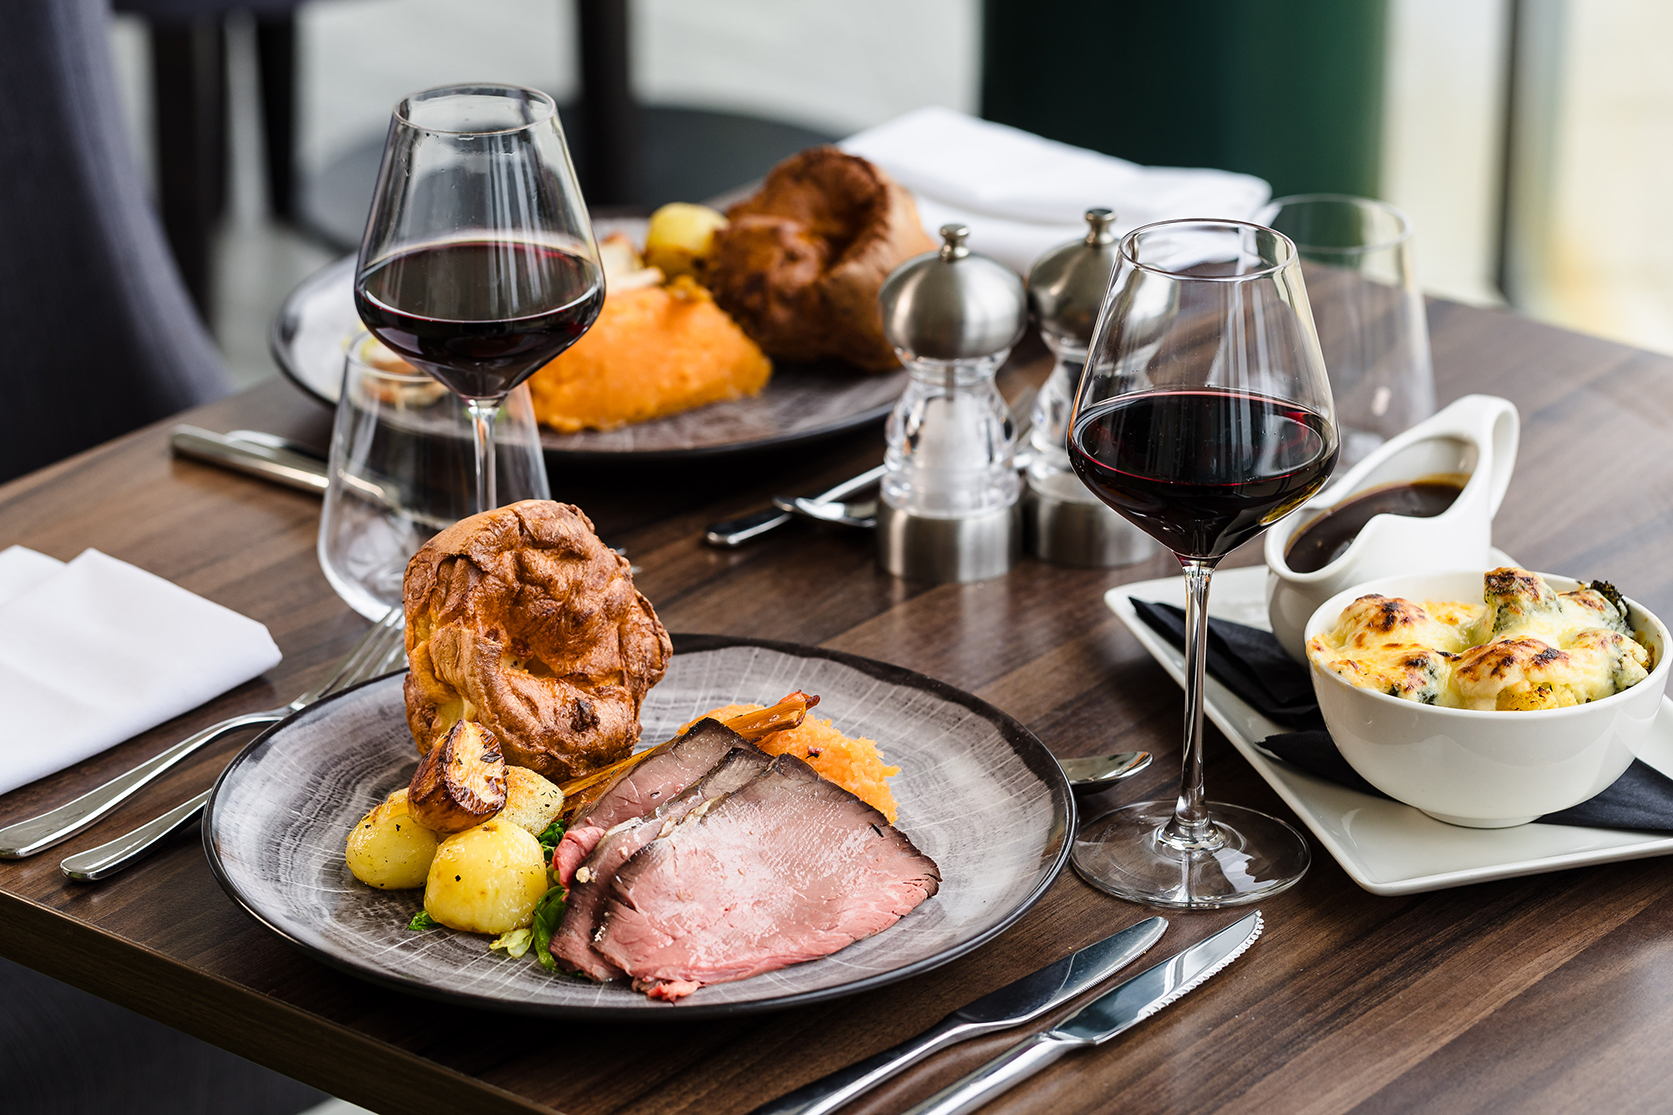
{"x": 1123, "y": 853}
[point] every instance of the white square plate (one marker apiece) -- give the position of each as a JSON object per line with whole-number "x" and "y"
{"x": 1385, "y": 847}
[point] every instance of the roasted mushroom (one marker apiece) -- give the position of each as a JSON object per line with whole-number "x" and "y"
{"x": 460, "y": 782}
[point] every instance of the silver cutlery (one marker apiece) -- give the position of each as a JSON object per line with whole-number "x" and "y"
{"x": 1012, "y": 1005}
{"x": 732, "y": 533}
{"x": 827, "y": 507}
{"x": 25, "y": 838}
{"x": 290, "y": 463}
{"x": 265, "y": 459}
{"x": 860, "y": 513}
{"x": 108, "y": 858}
{"x": 1112, "y": 1013}
{"x": 1092, "y": 774}
{"x": 274, "y": 441}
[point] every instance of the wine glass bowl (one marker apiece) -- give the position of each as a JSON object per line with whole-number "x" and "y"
{"x": 1204, "y": 416}
{"x": 478, "y": 264}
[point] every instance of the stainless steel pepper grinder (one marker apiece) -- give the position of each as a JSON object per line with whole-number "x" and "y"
{"x": 1063, "y": 522}
{"x": 948, "y": 503}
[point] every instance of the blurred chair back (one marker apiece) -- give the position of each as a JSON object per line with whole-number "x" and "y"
{"x": 99, "y": 335}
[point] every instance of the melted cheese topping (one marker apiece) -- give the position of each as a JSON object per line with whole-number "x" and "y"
{"x": 1527, "y": 648}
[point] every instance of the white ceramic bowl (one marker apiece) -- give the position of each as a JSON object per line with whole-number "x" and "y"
{"x": 1485, "y": 769}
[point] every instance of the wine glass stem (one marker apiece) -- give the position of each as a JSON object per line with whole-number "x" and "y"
{"x": 1191, "y": 827}
{"x": 482, "y": 420}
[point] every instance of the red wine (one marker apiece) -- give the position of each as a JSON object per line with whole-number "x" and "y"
{"x": 1202, "y": 471}
{"x": 480, "y": 315}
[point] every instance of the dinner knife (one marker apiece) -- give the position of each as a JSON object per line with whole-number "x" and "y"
{"x": 280, "y": 464}
{"x": 1017, "y": 1002}
{"x": 1112, "y": 1013}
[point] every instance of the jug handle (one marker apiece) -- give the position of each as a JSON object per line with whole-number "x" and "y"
{"x": 1493, "y": 422}
{"x": 1501, "y": 427}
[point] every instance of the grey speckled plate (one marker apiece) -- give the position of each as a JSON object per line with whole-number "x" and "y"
{"x": 977, "y": 792}
{"x": 800, "y": 403}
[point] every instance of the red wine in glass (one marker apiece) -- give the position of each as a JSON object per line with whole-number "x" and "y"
{"x": 1202, "y": 470}
{"x": 480, "y": 315}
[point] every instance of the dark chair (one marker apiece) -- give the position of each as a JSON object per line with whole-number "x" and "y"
{"x": 99, "y": 335}
{"x": 65, "y": 1052}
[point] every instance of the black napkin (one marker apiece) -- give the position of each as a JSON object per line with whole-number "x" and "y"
{"x": 1252, "y": 665}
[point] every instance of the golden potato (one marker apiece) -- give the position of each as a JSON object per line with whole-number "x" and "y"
{"x": 679, "y": 238}
{"x": 486, "y": 879}
{"x": 389, "y": 849}
{"x": 531, "y": 802}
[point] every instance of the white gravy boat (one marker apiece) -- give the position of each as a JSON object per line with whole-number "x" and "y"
{"x": 1475, "y": 436}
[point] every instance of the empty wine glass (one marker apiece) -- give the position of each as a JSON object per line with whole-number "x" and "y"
{"x": 402, "y": 468}
{"x": 1356, "y": 258}
{"x": 1203, "y": 426}
{"x": 479, "y": 263}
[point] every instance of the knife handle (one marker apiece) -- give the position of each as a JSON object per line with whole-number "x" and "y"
{"x": 845, "y": 1085}
{"x": 1001, "y": 1074}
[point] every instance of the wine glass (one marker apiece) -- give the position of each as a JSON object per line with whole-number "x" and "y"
{"x": 1356, "y": 258}
{"x": 401, "y": 469}
{"x": 1203, "y": 416}
{"x": 479, "y": 263}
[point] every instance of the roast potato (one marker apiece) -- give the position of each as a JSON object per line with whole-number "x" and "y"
{"x": 389, "y": 849}
{"x": 531, "y": 802}
{"x": 486, "y": 879}
{"x": 680, "y": 236}
{"x": 460, "y": 782}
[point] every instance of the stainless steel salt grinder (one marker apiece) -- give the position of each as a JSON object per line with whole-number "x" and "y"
{"x": 947, "y": 509}
{"x": 1063, "y": 522}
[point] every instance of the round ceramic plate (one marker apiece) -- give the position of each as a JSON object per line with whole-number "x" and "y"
{"x": 800, "y": 403}
{"x": 978, "y": 793}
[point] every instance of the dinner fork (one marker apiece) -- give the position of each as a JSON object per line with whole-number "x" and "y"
{"x": 116, "y": 855}
{"x": 36, "y": 834}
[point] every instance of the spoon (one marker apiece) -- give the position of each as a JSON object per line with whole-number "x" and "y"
{"x": 1092, "y": 774}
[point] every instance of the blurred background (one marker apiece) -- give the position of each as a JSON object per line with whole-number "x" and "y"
{"x": 1527, "y": 139}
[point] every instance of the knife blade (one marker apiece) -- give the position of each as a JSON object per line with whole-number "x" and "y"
{"x": 1017, "y": 1002}
{"x": 1112, "y": 1013}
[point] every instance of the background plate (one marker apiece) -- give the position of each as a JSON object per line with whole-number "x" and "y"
{"x": 800, "y": 403}
{"x": 1384, "y": 846}
{"x": 978, "y": 793}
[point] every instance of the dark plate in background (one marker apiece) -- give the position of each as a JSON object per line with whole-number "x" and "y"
{"x": 801, "y": 403}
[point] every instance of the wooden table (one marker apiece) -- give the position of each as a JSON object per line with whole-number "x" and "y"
{"x": 1548, "y": 993}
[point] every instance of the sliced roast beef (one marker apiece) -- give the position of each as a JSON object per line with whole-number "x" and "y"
{"x": 787, "y": 868}
{"x": 572, "y": 944}
{"x": 648, "y": 785}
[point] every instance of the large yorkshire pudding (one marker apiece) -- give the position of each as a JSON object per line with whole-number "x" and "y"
{"x": 522, "y": 620}
{"x": 800, "y": 263}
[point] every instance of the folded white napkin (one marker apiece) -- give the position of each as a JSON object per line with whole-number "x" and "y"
{"x": 1022, "y": 195}
{"x": 95, "y": 651}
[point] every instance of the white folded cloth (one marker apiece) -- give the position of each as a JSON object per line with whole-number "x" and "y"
{"x": 1023, "y": 195}
{"x": 96, "y": 651}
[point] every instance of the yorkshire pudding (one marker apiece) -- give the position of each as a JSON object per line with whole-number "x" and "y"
{"x": 522, "y": 620}
{"x": 800, "y": 263}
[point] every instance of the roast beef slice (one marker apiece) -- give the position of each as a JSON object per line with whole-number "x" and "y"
{"x": 572, "y": 944}
{"x": 654, "y": 781}
{"x": 787, "y": 868}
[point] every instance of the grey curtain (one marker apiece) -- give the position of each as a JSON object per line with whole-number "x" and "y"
{"x": 97, "y": 335}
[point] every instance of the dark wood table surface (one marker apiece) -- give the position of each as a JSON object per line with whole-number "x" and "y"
{"x": 1547, "y": 993}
